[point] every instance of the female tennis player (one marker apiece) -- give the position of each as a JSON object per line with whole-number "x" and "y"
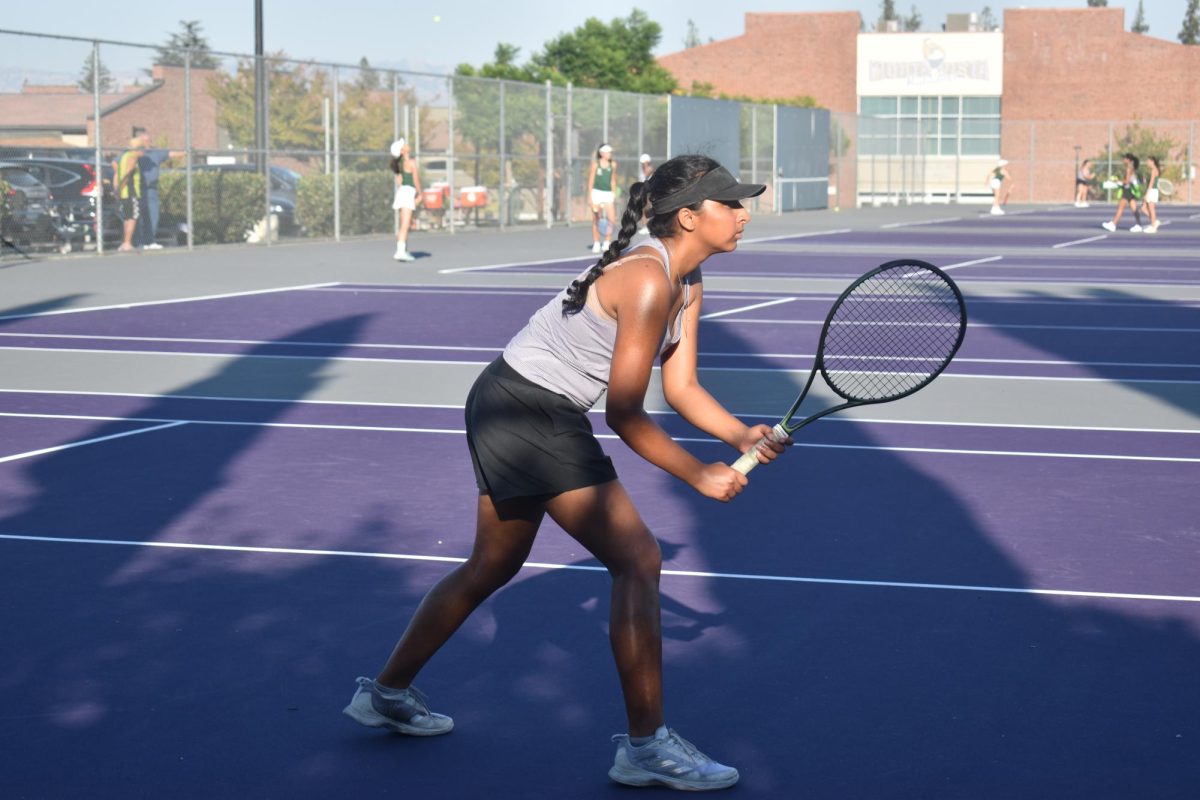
{"x": 1000, "y": 182}
{"x": 534, "y": 454}
{"x": 602, "y": 183}
{"x": 1151, "y": 202}
{"x": 406, "y": 197}
{"x": 1131, "y": 194}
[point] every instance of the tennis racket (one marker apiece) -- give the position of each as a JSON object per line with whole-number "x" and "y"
{"x": 890, "y": 334}
{"x": 1165, "y": 187}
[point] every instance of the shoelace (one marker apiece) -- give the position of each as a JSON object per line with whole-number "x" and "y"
{"x": 688, "y": 747}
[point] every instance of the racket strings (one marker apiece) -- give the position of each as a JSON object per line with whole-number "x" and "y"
{"x": 891, "y": 334}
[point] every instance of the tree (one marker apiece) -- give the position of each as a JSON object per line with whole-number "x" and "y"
{"x": 1097, "y": 3}
{"x": 692, "y": 39}
{"x": 887, "y": 13}
{"x": 369, "y": 79}
{"x": 913, "y": 21}
{"x": 1139, "y": 21}
{"x": 87, "y": 77}
{"x": 987, "y": 20}
{"x": 613, "y": 56}
{"x": 172, "y": 53}
{"x": 294, "y": 103}
{"x": 1190, "y": 32}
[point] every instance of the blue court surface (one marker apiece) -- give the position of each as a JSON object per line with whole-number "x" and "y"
{"x": 227, "y": 478}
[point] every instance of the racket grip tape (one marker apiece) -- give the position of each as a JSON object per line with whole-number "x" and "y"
{"x": 749, "y": 459}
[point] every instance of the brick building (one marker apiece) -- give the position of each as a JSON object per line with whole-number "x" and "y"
{"x": 1054, "y": 86}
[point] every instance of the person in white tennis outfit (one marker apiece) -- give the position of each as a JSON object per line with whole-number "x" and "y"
{"x": 407, "y": 195}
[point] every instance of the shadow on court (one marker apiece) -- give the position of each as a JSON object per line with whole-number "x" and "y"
{"x": 29, "y": 309}
{"x": 224, "y": 675}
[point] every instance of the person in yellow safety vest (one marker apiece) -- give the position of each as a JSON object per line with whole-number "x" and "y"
{"x": 127, "y": 186}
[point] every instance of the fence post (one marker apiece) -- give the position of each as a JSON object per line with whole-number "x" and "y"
{"x": 99, "y": 151}
{"x": 1191, "y": 159}
{"x": 569, "y": 158}
{"x": 1108, "y": 192}
{"x": 604, "y": 134}
{"x": 1032, "y": 156}
{"x": 641, "y": 125}
{"x": 187, "y": 145}
{"x": 775, "y": 160}
{"x": 754, "y": 148}
{"x": 337, "y": 157}
{"x": 265, "y": 155}
{"x": 548, "y": 201}
{"x": 669, "y": 143}
{"x": 503, "y": 172}
{"x": 396, "y": 135}
{"x": 450, "y": 147}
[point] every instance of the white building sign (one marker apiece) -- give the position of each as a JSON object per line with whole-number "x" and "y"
{"x": 898, "y": 64}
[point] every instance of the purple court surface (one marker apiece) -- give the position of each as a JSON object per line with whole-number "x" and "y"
{"x": 899, "y": 608}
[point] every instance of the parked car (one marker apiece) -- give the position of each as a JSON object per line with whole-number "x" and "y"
{"x": 29, "y": 220}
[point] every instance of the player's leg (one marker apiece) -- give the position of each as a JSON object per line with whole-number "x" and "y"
{"x": 610, "y": 213}
{"x": 504, "y": 533}
{"x": 604, "y": 520}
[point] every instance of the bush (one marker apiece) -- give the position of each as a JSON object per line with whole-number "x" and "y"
{"x": 366, "y": 203}
{"x": 225, "y": 205}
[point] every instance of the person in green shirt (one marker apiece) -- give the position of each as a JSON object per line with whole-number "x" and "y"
{"x": 602, "y": 182}
{"x": 1000, "y": 183}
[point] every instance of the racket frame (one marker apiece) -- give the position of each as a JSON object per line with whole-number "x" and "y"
{"x": 783, "y": 429}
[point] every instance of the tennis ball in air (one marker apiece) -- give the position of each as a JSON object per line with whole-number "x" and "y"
{"x": 437, "y": 18}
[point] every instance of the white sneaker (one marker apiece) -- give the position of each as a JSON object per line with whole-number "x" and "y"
{"x": 997, "y": 211}
{"x": 1150, "y": 229}
{"x": 152, "y": 246}
{"x": 595, "y": 247}
{"x": 1085, "y": 204}
{"x": 1108, "y": 226}
{"x": 671, "y": 760}
{"x": 1135, "y": 229}
{"x": 604, "y": 247}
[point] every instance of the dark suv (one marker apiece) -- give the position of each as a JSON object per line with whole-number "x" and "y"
{"x": 29, "y": 220}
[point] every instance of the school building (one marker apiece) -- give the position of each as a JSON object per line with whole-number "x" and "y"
{"x": 1049, "y": 88}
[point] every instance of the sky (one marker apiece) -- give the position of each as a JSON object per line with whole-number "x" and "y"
{"x": 432, "y": 37}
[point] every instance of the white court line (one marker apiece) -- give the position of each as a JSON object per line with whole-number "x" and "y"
{"x": 795, "y": 236}
{"x": 971, "y": 263}
{"x": 517, "y": 264}
{"x": 1079, "y": 241}
{"x": 775, "y": 302}
{"x": 596, "y": 411}
{"x": 678, "y": 573}
{"x": 611, "y": 436}
{"x": 31, "y": 453}
{"x": 448, "y": 362}
{"x": 498, "y": 348}
{"x": 990, "y": 215}
{"x": 922, "y": 222}
{"x": 1002, "y": 326}
{"x": 166, "y": 302}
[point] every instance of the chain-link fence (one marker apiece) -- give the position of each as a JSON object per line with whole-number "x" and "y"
{"x": 490, "y": 153}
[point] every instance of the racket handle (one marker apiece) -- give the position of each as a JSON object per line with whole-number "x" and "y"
{"x": 749, "y": 459}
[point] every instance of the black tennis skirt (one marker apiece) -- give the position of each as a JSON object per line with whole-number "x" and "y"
{"x": 527, "y": 441}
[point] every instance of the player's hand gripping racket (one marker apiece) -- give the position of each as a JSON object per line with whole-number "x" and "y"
{"x": 890, "y": 333}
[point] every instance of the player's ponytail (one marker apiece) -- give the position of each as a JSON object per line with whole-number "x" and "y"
{"x": 577, "y": 292}
{"x": 670, "y": 178}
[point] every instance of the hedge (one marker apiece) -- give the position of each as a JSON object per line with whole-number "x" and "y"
{"x": 366, "y": 203}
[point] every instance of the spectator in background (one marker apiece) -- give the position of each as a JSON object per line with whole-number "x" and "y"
{"x": 127, "y": 186}
{"x": 148, "y": 165}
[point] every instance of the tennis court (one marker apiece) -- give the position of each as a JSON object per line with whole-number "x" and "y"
{"x": 230, "y": 475}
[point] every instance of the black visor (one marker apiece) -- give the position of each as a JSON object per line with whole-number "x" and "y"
{"x": 716, "y": 184}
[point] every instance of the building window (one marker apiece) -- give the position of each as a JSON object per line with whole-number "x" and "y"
{"x": 931, "y": 126}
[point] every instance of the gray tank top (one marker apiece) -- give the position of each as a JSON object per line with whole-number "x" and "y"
{"x": 572, "y": 355}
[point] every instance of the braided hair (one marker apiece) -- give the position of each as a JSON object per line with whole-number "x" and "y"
{"x": 669, "y": 178}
